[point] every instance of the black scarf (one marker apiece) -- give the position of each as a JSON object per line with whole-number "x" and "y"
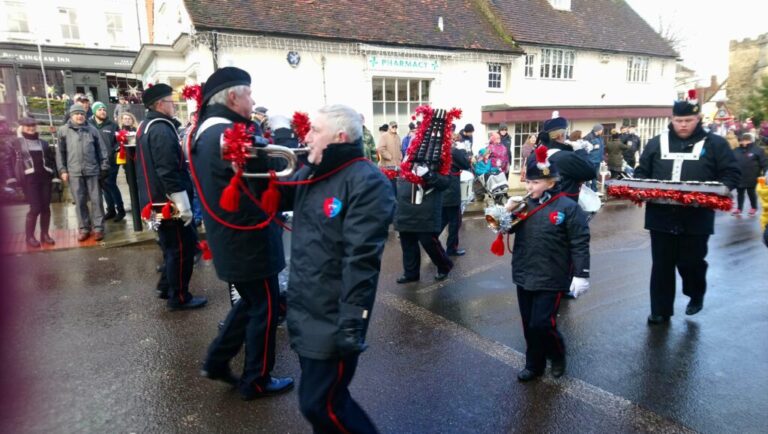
{"x": 33, "y": 136}
{"x": 335, "y": 155}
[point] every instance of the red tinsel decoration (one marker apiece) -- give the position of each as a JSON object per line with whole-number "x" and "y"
{"x": 301, "y": 125}
{"x": 426, "y": 112}
{"x": 691, "y": 198}
{"x": 166, "y": 210}
{"x": 236, "y": 141}
{"x": 389, "y": 173}
{"x": 206, "y": 249}
{"x": 122, "y": 139}
{"x": 193, "y": 92}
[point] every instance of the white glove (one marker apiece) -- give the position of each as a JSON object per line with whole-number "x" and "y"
{"x": 421, "y": 170}
{"x": 181, "y": 200}
{"x": 579, "y": 286}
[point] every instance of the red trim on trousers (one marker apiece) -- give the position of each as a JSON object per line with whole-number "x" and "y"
{"x": 181, "y": 265}
{"x": 266, "y": 334}
{"x": 329, "y": 402}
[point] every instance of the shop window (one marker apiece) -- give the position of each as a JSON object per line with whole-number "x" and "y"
{"x": 520, "y": 133}
{"x": 396, "y": 99}
{"x": 69, "y": 27}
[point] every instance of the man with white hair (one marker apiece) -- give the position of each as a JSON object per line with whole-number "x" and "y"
{"x": 340, "y": 225}
{"x": 246, "y": 256}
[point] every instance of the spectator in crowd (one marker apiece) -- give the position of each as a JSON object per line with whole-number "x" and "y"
{"x": 753, "y": 164}
{"x": 408, "y": 137}
{"x": 579, "y": 145}
{"x": 614, "y": 152}
{"x": 389, "y": 150}
{"x": 506, "y": 140}
{"x": 122, "y": 107}
{"x": 525, "y": 152}
{"x": 34, "y": 165}
{"x": 260, "y": 118}
{"x": 369, "y": 145}
{"x": 82, "y": 160}
{"x": 108, "y": 129}
{"x": 597, "y": 154}
{"x": 128, "y": 122}
{"x": 497, "y": 153}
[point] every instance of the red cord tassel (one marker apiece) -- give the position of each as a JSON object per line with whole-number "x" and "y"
{"x": 270, "y": 199}
{"x": 167, "y": 211}
{"x": 206, "y": 249}
{"x": 497, "y": 248}
{"x": 230, "y": 197}
{"x": 146, "y": 212}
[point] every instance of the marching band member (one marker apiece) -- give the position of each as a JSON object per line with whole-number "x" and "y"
{"x": 248, "y": 259}
{"x": 550, "y": 257}
{"x": 679, "y": 234}
{"x": 341, "y": 217}
{"x": 163, "y": 177}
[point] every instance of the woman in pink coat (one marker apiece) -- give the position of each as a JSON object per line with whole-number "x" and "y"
{"x": 497, "y": 153}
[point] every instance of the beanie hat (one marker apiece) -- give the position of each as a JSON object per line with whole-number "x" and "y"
{"x": 76, "y": 108}
{"x": 97, "y": 105}
{"x": 155, "y": 92}
{"x": 597, "y": 127}
{"x": 469, "y": 128}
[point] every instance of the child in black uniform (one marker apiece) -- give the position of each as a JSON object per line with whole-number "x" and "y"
{"x": 550, "y": 257}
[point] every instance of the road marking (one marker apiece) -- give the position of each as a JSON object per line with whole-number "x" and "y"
{"x": 606, "y": 402}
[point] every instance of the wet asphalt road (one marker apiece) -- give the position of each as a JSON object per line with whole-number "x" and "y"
{"x": 100, "y": 353}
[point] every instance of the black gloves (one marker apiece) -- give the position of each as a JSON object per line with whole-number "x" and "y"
{"x": 350, "y": 337}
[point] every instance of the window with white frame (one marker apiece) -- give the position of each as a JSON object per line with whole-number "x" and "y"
{"x": 648, "y": 128}
{"x": 114, "y": 28}
{"x": 68, "y": 20}
{"x": 520, "y": 133}
{"x": 561, "y": 5}
{"x": 494, "y": 76}
{"x": 530, "y": 62}
{"x": 16, "y": 14}
{"x": 396, "y": 99}
{"x": 637, "y": 69}
{"x": 557, "y": 63}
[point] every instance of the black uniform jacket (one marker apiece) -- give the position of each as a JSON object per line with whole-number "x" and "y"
{"x": 238, "y": 255}
{"x": 340, "y": 226}
{"x": 574, "y": 169}
{"x": 716, "y": 163}
{"x": 159, "y": 160}
{"x": 459, "y": 162}
{"x": 551, "y": 245}
{"x": 427, "y": 216}
{"x": 752, "y": 162}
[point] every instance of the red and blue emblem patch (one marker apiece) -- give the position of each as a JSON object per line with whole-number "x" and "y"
{"x": 556, "y": 217}
{"x": 332, "y": 207}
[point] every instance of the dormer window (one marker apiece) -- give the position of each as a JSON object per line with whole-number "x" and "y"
{"x": 561, "y": 5}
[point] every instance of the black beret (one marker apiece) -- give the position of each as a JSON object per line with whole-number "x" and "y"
{"x": 154, "y": 93}
{"x": 685, "y": 108}
{"x": 555, "y": 124}
{"x": 469, "y": 128}
{"x": 224, "y": 78}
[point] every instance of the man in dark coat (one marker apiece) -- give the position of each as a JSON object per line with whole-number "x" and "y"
{"x": 632, "y": 140}
{"x": 248, "y": 258}
{"x": 421, "y": 224}
{"x": 679, "y": 234}
{"x": 340, "y": 224}
{"x": 752, "y": 162}
{"x": 506, "y": 140}
{"x": 452, "y": 202}
{"x": 162, "y": 175}
{"x": 574, "y": 168}
{"x": 107, "y": 129}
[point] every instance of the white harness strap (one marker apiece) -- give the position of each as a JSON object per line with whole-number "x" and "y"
{"x": 209, "y": 123}
{"x": 149, "y": 124}
{"x": 679, "y": 157}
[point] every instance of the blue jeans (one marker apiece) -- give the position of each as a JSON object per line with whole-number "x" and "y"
{"x": 593, "y": 184}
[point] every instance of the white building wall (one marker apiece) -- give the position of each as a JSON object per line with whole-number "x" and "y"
{"x": 43, "y": 21}
{"x": 170, "y": 20}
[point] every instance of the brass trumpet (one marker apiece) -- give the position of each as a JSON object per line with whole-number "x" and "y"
{"x": 501, "y": 219}
{"x": 274, "y": 151}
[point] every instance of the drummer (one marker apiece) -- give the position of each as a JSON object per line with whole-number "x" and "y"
{"x": 679, "y": 234}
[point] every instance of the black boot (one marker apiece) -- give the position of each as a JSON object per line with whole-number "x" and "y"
{"x": 30, "y": 231}
{"x": 110, "y": 213}
{"x": 120, "y": 214}
{"x": 45, "y": 223}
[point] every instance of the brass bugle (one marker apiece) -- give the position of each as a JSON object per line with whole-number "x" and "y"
{"x": 275, "y": 151}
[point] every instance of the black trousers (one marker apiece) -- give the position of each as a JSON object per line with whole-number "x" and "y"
{"x": 324, "y": 397}
{"x": 752, "y": 197}
{"x": 38, "y": 194}
{"x": 538, "y": 310}
{"x": 251, "y": 321}
{"x": 178, "y": 243}
{"x": 452, "y": 219}
{"x": 685, "y": 253}
{"x": 409, "y": 242}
